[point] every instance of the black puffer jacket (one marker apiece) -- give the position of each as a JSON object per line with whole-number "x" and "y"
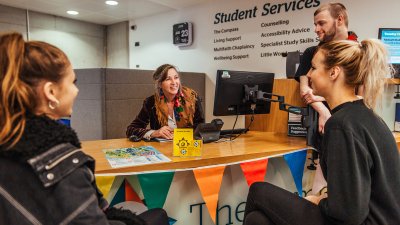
{"x": 47, "y": 179}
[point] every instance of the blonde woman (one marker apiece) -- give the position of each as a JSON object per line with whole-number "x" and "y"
{"x": 359, "y": 156}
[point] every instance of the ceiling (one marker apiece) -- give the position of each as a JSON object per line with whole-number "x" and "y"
{"x": 96, "y": 11}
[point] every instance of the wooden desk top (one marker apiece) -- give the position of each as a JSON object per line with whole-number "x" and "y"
{"x": 249, "y": 146}
{"x": 397, "y": 137}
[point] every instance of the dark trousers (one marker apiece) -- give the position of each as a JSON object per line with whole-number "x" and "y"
{"x": 155, "y": 217}
{"x": 269, "y": 204}
{"x": 117, "y": 216}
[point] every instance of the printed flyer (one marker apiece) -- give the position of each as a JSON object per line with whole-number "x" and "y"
{"x": 134, "y": 156}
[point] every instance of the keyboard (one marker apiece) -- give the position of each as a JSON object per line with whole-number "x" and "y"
{"x": 235, "y": 131}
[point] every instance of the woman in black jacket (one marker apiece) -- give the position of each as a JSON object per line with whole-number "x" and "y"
{"x": 172, "y": 106}
{"x": 45, "y": 178}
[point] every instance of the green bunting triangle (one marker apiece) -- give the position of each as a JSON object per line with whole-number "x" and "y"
{"x": 155, "y": 187}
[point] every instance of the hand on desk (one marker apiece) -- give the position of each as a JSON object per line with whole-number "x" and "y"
{"x": 164, "y": 132}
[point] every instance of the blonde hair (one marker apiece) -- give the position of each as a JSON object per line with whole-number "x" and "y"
{"x": 22, "y": 66}
{"x": 335, "y": 10}
{"x": 363, "y": 63}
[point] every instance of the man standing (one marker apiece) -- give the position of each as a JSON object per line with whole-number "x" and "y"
{"x": 331, "y": 23}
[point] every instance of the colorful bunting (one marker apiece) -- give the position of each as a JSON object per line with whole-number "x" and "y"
{"x": 130, "y": 194}
{"x": 255, "y": 170}
{"x": 133, "y": 180}
{"x": 119, "y": 196}
{"x": 104, "y": 184}
{"x": 171, "y": 221}
{"x": 296, "y": 161}
{"x": 118, "y": 181}
{"x": 155, "y": 187}
{"x": 209, "y": 181}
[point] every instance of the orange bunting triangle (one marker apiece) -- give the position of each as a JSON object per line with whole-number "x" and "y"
{"x": 209, "y": 181}
{"x": 255, "y": 170}
{"x": 130, "y": 194}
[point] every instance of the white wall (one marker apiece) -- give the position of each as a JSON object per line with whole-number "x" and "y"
{"x": 12, "y": 19}
{"x": 117, "y": 45}
{"x": 83, "y": 42}
{"x": 155, "y": 37}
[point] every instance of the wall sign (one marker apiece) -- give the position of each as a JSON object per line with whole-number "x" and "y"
{"x": 182, "y": 34}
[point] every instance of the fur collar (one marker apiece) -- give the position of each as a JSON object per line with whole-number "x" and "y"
{"x": 40, "y": 134}
{"x": 184, "y": 108}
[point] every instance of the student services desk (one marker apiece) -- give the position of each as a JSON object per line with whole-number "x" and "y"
{"x": 251, "y": 145}
{"x": 184, "y": 201}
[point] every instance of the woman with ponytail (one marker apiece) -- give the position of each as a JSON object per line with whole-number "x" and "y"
{"x": 171, "y": 106}
{"x": 359, "y": 156}
{"x": 45, "y": 178}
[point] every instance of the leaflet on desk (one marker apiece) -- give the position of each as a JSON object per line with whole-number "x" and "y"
{"x": 134, "y": 156}
{"x": 184, "y": 145}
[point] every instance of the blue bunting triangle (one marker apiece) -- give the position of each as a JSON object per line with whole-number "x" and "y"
{"x": 171, "y": 221}
{"x": 296, "y": 161}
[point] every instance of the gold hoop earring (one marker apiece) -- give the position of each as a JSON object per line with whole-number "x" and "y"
{"x": 53, "y": 105}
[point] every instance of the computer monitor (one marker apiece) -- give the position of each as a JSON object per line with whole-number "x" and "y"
{"x": 230, "y": 92}
{"x": 391, "y": 37}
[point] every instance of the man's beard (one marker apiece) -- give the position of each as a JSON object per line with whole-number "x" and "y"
{"x": 330, "y": 34}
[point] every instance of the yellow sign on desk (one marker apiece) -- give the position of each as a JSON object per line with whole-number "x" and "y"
{"x": 184, "y": 144}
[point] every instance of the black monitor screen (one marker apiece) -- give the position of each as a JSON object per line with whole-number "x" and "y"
{"x": 230, "y": 92}
{"x": 391, "y": 37}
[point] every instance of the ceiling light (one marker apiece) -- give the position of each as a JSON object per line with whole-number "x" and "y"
{"x": 72, "y": 12}
{"x": 111, "y": 2}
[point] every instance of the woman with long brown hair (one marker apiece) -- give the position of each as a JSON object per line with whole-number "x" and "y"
{"x": 45, "y": 178}
{"x": 171, "y": 106}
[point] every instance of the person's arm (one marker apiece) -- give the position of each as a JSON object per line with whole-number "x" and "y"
{"x": 323, "y": 115}
{"x": 306, "y": 93}
{"x": 304, "y": 85}
{"x": 348, "y": 166}
{"x": 78, "y": 199}
{"x": 315, "y": 199}
{"x": 148, "y": 134}
{"x": 308, "y": 97}
{"x": 138, "y": 126}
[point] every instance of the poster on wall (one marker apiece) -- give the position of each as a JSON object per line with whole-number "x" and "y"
{"x": 271, "y": 34}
